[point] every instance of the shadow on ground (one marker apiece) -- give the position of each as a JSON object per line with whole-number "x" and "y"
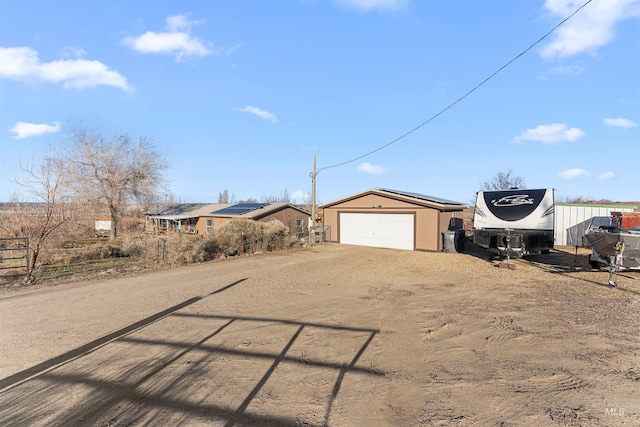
{"x": 132, "y": 376}
{"x": 559, "y": 261}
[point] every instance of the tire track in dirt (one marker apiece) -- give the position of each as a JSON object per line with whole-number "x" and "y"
{"x": 486, "y": 352}
{"x": 339, "y": 336}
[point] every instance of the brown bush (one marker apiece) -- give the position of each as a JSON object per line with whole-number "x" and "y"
{"x": 247, "y": 236}
{"x": 84, "y": 253}
{"x": 132, "y": 224}
{"x": 237, "y": 237}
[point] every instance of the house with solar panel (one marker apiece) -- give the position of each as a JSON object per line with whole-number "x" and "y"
{"x": 200, "y": 218}
{"x": 180, "y": 218}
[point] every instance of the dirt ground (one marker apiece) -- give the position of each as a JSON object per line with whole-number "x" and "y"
{"x": 328, "y": 336}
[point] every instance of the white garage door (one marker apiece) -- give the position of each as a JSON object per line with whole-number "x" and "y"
{"x": 380, "y": 230}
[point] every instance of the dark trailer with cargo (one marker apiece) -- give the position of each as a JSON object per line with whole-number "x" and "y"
{"x": 515, "y": 222}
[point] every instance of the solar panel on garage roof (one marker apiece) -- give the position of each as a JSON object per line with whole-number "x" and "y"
{"x": 421, "y": 196}
{"x": 240, "y": 208}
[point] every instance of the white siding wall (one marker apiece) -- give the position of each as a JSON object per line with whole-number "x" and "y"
{"x": 569, "y": 215}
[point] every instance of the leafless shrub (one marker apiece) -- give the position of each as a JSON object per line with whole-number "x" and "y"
{"x": 237, "y": 237}
{"x": 275, "y": 236}
{"x": 131, "y": 224}
{"x": 91, "y": 252}
{"x": 247, "y": 236}
{"x": 209, "y": 250}
{"x": 172, "y": 249}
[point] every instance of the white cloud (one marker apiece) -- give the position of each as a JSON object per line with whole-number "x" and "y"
{"x": 620, "y": 123}
{"x": 26, "y": 130}
{"x": 606, "y": 176}
{"x": 367, "y": 5}
{"x": 22, "y": 63}
{"x": 73, "y": 52}
{"x": 550, "y": 134}
{"x": 569, "y": 70}
{"x": 573, "y": 173}
{"x": 258, "y": 112}
{"x": 300, "y": 196}
{"x": 589, "y": 29}
{"x": 371, "y": 168}
{"x": 177, "y": 23}
{"x": 177, "y": 40}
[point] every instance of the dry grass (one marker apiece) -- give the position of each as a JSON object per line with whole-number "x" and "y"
{"x": 86, "y": 256}
{"x": 236, "y": 237}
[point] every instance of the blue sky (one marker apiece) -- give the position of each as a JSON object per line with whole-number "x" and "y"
{"x": 239, "y": 95}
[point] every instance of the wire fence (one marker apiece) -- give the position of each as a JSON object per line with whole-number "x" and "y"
{"x": 81, "y": 259}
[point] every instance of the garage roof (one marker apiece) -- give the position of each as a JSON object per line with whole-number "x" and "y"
{"x": 416, "y": 198}
{"x": 423, "y": 197}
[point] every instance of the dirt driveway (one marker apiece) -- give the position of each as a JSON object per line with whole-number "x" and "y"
{"x": 332, "y": 335}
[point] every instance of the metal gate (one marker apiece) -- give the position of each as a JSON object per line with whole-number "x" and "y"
{"x": 14, "y": 255}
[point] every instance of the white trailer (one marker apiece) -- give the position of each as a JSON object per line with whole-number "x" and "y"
{"x": 514, "y": 222}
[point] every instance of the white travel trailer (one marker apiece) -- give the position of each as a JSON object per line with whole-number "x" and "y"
{"x": 514, "y": 222}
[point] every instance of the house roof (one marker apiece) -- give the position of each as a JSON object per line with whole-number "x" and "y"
{"x": 415, "y": 198}
{"x": 253, "y": 210}
{"x": 241, "y": 208}
{"x": 224, "y": 210}
{"x": 187, "y": 210}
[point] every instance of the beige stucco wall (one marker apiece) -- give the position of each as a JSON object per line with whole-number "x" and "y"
{"x": 201, "y": 225}
{"x": 287, "y": 216}
{"x": 429, "y": 222}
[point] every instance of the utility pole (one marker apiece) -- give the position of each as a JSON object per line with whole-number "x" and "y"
{"x": 313, "y": 190}
{"x": 312, "y": 228}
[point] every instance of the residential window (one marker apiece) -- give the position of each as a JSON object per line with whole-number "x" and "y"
{"x": 189, "y": 226}
{"x": 209, "y": 226}
{"x": 300, "y": 227}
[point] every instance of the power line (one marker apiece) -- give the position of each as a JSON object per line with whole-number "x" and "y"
{"x": 462, "y": 97}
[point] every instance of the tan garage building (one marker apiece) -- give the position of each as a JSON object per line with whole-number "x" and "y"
{"x": 390, "y": 219}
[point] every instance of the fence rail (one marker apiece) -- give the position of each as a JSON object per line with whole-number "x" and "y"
{"x": 14, "y": 253}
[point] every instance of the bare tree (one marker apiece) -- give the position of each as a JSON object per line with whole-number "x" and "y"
{"x": 503, "y": 181}
{"x": 249, "y": 200}
{"x": 115, "y": 172}
{"x": 49, "y": 184}
{"x": 283, "y": 198}
{"x": 580, "y": 199}
{"x": 225, "y": 197}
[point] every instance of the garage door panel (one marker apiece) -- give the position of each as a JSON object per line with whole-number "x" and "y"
{"x": 394, "y": 231}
